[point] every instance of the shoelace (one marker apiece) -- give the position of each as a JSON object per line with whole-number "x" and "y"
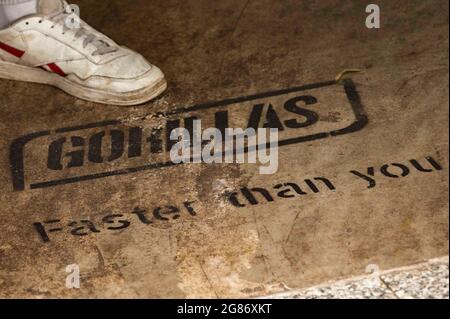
{"x": 102, "y": 46}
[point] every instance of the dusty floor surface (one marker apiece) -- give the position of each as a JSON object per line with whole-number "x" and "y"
{"x": 138, "y": 229}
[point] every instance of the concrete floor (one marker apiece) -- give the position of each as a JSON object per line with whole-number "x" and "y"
{"x": 426, "y": 280}
{"x": 392, "y": 118}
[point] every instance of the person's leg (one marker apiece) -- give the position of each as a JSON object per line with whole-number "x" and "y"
{"x": 44, "y": 47}
{"x": 11, "y": 10}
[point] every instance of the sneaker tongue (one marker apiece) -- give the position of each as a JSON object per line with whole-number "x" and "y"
{"x": 50, "y": 6}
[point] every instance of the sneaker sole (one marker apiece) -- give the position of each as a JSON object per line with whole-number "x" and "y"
{"x": 11, "y": 71}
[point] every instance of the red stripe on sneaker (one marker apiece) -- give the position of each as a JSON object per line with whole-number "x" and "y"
{"x": 56, "y": 69}
{"x": 16, "y": 52}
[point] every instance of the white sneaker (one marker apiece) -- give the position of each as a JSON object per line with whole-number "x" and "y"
{"x": 42, "y": 48}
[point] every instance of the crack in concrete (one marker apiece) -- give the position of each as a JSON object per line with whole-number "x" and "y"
{"x": 222, "y": 60}
{"x": 207, "y": 279}
{"x": 388, "y": 287}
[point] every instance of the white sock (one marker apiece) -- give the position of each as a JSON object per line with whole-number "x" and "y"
{"x": 11, "y": 10}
